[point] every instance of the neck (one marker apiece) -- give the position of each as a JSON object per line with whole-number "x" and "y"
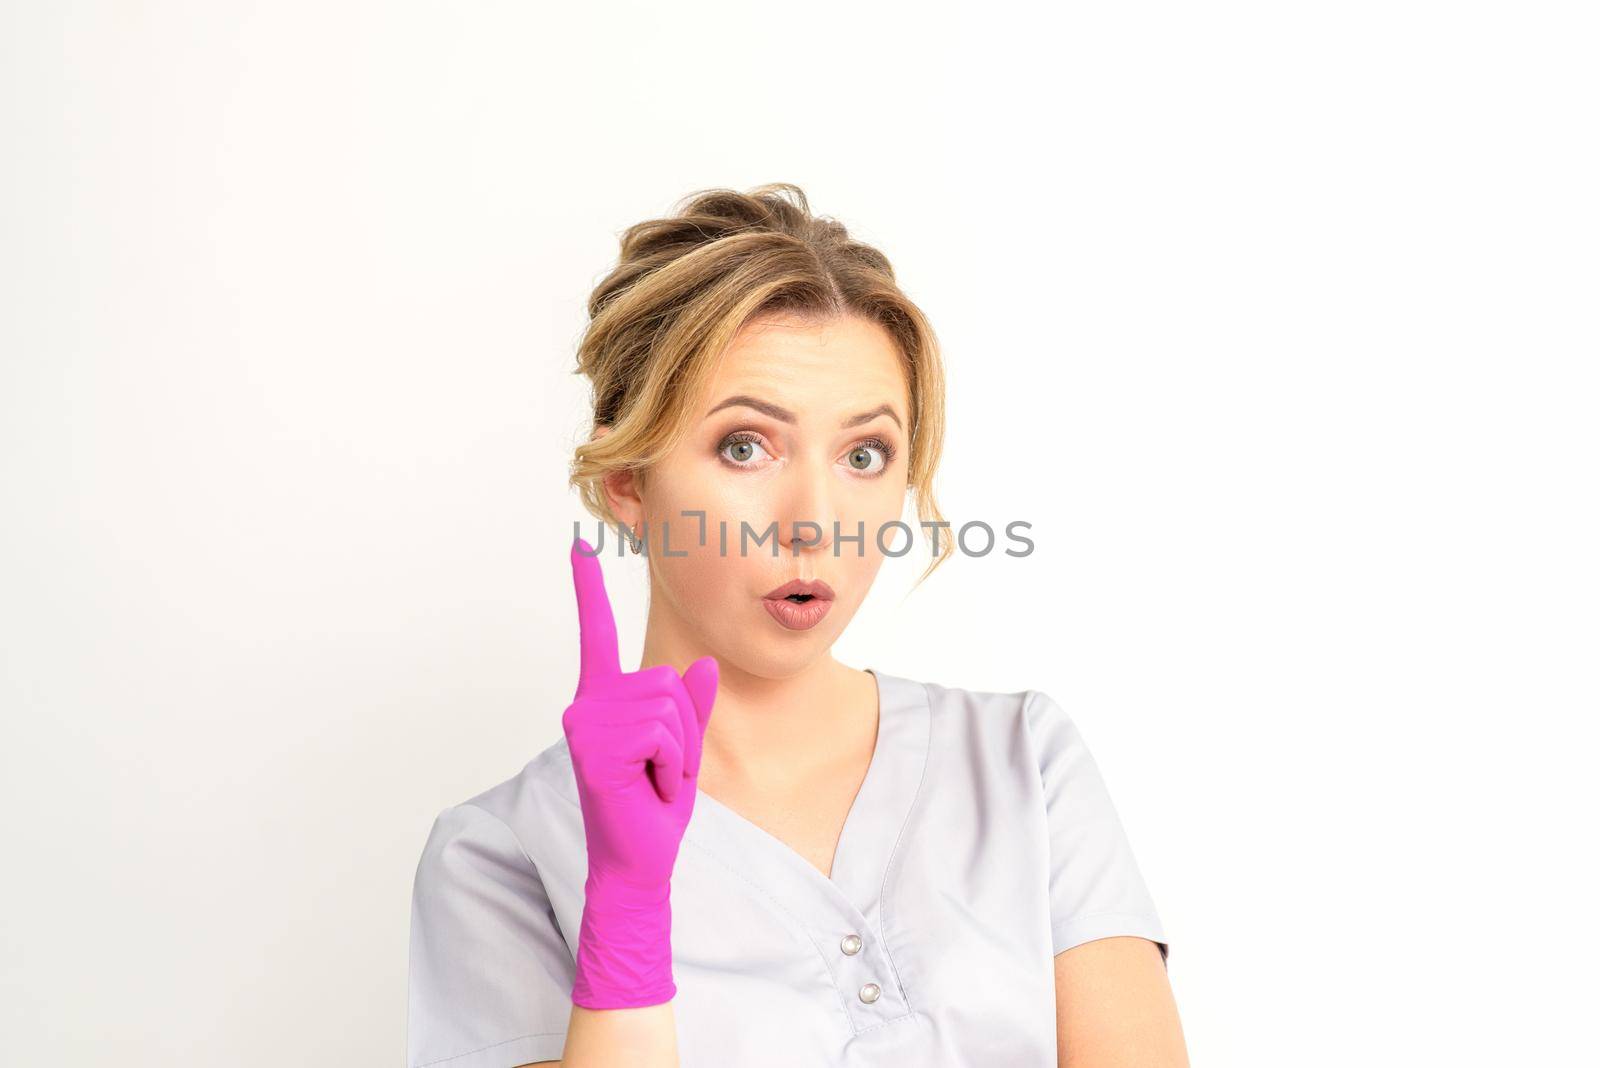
{"x": 768, "y": 732}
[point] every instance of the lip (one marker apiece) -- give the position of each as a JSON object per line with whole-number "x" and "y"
{"x": 797, "y": 615}
{"x": 815, "y": 587}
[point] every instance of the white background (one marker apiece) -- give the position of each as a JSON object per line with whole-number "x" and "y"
{"x": 1277, "y": 321}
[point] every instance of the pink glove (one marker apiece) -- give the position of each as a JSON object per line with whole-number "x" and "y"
{"x": 635, "y": 740}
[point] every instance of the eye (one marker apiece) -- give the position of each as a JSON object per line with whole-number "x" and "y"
{"x": 860, "y": 458}
{"x": 739, "y": 450}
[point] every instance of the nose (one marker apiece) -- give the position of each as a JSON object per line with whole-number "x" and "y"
{"x": 808, "y": 510}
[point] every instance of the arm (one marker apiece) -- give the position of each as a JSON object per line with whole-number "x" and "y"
{"x": 489, "y": 966}
{"x": 647, "y": 1037}
{"x": 1115, "y": 1008}
{"x": 635, "y": 739}
{"x": 491, "y": 977}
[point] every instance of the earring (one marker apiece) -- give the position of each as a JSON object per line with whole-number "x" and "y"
{"x": 633, "y": 540}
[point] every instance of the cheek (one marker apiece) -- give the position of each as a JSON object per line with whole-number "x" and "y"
{"x": 858, "y": 565}
{"x": 698, "y": 578}
{"x": 700, "y": 573}
{"x": 691, "y": 486}
{"x": 878, "y": 517}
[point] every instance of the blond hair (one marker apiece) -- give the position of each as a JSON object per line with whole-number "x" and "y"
{"x": 686, "y": 283}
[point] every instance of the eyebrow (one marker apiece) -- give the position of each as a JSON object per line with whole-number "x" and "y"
{"x": 784, "y": 415}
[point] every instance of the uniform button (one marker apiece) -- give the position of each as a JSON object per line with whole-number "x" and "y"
{"x": 870, "y": 992}
{"x": 851, "y": 944}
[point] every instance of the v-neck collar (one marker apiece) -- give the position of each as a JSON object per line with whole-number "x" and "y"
{"x": 848, "y": 900}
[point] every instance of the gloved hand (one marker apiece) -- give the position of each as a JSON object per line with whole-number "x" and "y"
{"x": 635, "y": 740}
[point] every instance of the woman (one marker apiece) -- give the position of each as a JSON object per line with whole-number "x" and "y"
{"x": 745, "y": 852}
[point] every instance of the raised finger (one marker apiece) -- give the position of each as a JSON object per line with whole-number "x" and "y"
{"x": 597, "y": 628}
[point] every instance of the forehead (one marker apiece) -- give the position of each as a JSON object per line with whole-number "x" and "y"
{"x": 811, "y": 367}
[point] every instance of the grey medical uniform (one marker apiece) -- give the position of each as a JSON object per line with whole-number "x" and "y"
{"x": 982, "y": 843}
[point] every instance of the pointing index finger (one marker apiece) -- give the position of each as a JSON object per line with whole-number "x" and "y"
{"x": 597, "y": 628}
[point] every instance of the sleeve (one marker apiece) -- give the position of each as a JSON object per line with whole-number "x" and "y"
{"x": 1096, "y": 889}
{"x": 490, "y": 975}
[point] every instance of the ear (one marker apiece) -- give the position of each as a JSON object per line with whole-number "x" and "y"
{"x": 621, "y": 489}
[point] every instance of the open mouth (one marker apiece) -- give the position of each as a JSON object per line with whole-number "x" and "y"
{"x": 802, "y": 591}
{"x": 799, "y": 604}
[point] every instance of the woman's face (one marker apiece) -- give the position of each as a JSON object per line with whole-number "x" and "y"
{"x": 801, "y": 423}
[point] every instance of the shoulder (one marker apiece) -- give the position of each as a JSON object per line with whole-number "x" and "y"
{"x": 1027, "y": 710}
{"x": 1028, "y": 723}
{"x": 528, "y": 816}
{"x": 951, "y": 701}
{"x": 545, "y": 782}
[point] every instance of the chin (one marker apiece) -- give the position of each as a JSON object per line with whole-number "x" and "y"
{"x": 781, "y": 659}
